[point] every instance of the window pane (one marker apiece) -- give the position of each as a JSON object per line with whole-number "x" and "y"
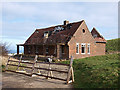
{"x": 77, "y": 48}
{"x": 88, "y": 48}
{"x": 83, "y": 49}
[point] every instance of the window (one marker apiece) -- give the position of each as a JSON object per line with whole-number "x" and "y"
{"x": 37, "y": 31}
{"x": 46, "y": 50}
{"x": 36, "y": 49}
{"x": 95, "y": 35}
{"x": 63, "y": 50}
{"x": 83, "y": 30}
{"x": 82, "y": 48}
{"x": 77, "y": 48}
{"x": 88, "y": 48}
{"x": 46, "y": 34}
{"x": 29, "y": 49}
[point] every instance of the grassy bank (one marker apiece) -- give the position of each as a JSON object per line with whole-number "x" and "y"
{"x": 113, "y": 45}
{"x": 96, "y": 72}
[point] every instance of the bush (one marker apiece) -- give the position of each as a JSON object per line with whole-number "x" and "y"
{"x": 4, "y": 48}
{"x": 113, "y": 45}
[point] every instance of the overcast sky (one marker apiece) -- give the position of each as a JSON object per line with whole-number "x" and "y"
{"x": 19, "y": 20}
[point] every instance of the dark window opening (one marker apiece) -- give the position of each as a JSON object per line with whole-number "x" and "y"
{"x": 77, "y": 48}
{"x": 83, "y": 30}
{"x": 47, "y": 50}
{"x": 36, "y": 49}
{"x": 63, "y": 49}
{"x": 29, "y": 49}
{"x": 83, "y": 49}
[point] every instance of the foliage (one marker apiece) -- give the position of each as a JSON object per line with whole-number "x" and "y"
{"x": 96, "y": 72}
{"x": 4, "y": 48}
{"x": 113, "y": 45}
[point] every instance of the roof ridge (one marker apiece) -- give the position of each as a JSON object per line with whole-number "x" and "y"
{"x": 59, "y": 25}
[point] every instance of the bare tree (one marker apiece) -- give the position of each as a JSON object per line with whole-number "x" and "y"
{"x": 4, "y": 48}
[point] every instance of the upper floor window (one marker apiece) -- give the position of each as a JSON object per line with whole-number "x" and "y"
{"x": 83, "y": 30}
{"x": 83, "y": 48}
{"x": 46, "y": 34}
{"x": 95, "y": 35}
{"x": 77, "y": 48}
{"x": 88, "y": 46}
{"x": 37, "y": 31}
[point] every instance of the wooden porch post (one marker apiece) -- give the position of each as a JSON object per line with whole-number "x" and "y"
{"x": 44, "y": 50}
{"x": 17, "y": 49}
{"x": 58, "y": 51}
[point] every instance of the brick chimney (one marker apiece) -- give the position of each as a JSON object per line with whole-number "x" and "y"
{"x": 66, "y": 22}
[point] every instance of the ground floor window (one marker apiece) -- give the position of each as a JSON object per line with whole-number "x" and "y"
{"x": 63, "y": 49}
{"x": 83, "y": 48}
{"x": 29, "y": 49}
{"x": 36, "y": 49}
{"x": 46, "y": 50}
{"x": 77, "y": 48}
{"x": 88, "y": 48}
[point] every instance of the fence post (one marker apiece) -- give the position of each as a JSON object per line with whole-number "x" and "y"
{"x": 19, "y": 61}
{"x": 35, "y": 60}
{"x": 7, "y": 63}
{"x": 70, "y": 72}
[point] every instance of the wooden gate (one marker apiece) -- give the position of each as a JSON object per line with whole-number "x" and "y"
{"x": 37, "y": 67}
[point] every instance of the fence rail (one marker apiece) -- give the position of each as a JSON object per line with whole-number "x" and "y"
{"x": 49, "y": 74}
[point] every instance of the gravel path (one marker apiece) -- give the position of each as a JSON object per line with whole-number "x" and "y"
{"x": 13, "y": 80}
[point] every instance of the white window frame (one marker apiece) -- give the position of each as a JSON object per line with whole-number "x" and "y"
{"x": 84, "y": 49}
{"x": 88, "y": 45}
{"x": 77, "y": 44}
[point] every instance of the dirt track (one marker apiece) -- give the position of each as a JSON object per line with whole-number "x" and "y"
{"x": 13, "y": 80}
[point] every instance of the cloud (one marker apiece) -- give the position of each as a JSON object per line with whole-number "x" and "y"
{"x": 21, "y": 19}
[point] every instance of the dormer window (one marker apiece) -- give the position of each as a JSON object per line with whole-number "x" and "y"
{"x": 46, "y": 34}
{"x": 37, "y": 31}
{"x": 95, "y": 35}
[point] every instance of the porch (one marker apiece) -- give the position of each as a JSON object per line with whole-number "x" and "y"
{"x": 59, "y": 51}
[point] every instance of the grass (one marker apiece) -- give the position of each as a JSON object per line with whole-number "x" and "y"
{"x": 14, "y": 68}
{"x": 96, "y": 72}
{"x": 113, "y": 45}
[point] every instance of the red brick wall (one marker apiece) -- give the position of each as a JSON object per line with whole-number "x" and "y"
{"x": 80, "y": 37}
{"x": 100, "y": 49}
{"x": 65, "y": 55}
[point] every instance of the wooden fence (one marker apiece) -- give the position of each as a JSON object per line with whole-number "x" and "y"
{"x": 33, "y": 66}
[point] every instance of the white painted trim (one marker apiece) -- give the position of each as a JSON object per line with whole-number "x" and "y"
{"x": 89, "y": 48}
{"x": 78, "y": 47}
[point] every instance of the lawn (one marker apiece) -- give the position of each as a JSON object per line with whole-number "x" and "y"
{"x": 96, "y": 72}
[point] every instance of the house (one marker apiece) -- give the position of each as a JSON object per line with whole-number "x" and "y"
{"x": 65, "y": 40}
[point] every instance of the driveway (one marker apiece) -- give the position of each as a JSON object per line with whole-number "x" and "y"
{"x": 13, "y": 80}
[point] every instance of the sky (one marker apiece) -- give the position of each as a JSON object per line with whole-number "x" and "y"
{"x": 20, "y": 19}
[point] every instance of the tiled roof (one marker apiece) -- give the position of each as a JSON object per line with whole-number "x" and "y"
{"x": 99, "y": 37}
{"x": 59, "y": 37}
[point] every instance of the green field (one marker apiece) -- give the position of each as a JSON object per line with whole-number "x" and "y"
{"x": 96, "y": 72}
{"x": 113, "y": 45}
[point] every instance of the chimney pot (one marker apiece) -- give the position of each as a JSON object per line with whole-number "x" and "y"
{"x": 66, "y": 22}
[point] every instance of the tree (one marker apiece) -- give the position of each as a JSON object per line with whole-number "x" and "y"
{"x": 4, "y": 48}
